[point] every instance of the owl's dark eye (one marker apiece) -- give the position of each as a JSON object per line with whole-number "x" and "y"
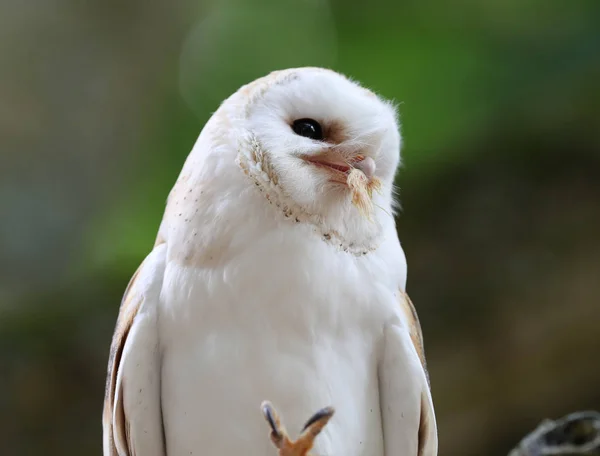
{"x": 308, "y": 128}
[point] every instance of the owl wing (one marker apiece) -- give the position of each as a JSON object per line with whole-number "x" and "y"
{"x": 132, "y": 418}
{"x": 408, "y": 418}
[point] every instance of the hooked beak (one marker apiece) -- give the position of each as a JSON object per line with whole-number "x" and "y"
{"x": 367, "y": 166}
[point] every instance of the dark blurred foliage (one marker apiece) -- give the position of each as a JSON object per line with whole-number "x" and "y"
{"x": 500, "y": 105}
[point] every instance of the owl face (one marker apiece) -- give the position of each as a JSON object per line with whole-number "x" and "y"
{"x": 315, "y": 127}
{"x": 320, "y": 148}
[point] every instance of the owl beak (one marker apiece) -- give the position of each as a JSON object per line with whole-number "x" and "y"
{"x": 367, "y": 166}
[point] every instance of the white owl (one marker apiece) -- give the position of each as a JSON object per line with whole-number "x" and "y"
{"x": 277, "y": 274}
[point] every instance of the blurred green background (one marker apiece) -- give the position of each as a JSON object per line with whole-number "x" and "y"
{"x": 500, "y": 105}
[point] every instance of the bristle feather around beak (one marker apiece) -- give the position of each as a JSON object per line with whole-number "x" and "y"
{"x": 362, "y": 191}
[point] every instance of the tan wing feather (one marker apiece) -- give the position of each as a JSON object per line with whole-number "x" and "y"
{"x": 416, "y": 334}
{"x": 427, "y": 419}
{"x": 127, "y": 312}
{"x": 114, "y": 419}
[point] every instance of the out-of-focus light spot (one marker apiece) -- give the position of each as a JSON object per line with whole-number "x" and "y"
{"x": 237, "y": 43}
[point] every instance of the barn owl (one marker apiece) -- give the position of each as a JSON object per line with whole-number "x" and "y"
{"x": 276, "y": 274}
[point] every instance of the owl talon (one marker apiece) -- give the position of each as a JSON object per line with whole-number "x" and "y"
{"x": 322, "y": 416}
{"x": 273, "y": 419}
{"x": 304, "y": 443}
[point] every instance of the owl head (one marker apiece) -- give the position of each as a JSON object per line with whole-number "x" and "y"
{"x": 318, "y": 146}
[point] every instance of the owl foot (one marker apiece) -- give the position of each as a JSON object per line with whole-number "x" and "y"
{"x": 304, "y": 443}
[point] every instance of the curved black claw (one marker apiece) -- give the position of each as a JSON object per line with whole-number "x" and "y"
{"x": 326, "y": 412}
{"x": 269, "y": 413}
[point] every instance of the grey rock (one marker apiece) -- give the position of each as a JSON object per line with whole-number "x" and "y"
{"x": 577, "y": 434}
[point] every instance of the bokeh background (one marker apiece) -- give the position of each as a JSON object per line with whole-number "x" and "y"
{"x": 101, "y": 101}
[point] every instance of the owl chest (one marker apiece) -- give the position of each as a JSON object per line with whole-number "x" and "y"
{"x": 301, "y": 291}
{"x": 303, "y": 336}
